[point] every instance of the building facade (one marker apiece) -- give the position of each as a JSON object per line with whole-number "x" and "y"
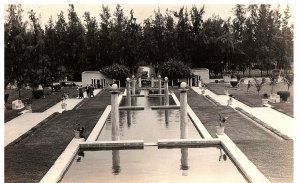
{"x": 95, "y": 78}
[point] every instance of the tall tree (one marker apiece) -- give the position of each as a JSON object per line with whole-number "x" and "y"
{"x": 15, "y": 46}
{"x": 76, "y": 46}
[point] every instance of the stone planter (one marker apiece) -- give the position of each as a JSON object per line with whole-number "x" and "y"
{"x": 229, "y": 101}
{"x": 28, "y": 106}
{"x": 77, "y": 134}
{"x": 226, "y": 92}
{"x": 220, "y": 130}
{"x": 63, "y": 105}
{"x": 265, "y": 101}
{"x": 227, "y": 78}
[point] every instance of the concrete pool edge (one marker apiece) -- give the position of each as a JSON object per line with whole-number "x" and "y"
{"x": 58, "y": 169}
{"x": 242, "y": 162}
{"x": 198, "y": 124}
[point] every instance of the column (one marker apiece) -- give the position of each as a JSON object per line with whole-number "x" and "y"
{"x": 152, "y": 82}
{"x": 128, "y": 93}
{"x": 166, "y": 91}
{"x": 159, "y": 84}
{"x": 115, "y": 113}
{"x": 140, "y": 82}
{"x": 133, "y": 85}
{"x": 183, "y": 111}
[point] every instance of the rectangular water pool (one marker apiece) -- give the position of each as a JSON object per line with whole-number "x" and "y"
{"x": 148, "y": 125}
{"x": 180, "y": 165}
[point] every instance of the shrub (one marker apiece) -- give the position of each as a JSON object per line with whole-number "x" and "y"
{"x": 56, "y": 88}
{"x": 175, "y": 69}
{"x": 233, "y": 83}
{"x": 216, "y": 81}
{"x": 284, "y": 95}
{"x": 265, "y": 95}
{"x": 37, "y": 94}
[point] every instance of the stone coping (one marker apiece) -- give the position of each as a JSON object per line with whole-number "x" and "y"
{"x": 57, "y": 171}
{"x": 131, "y": 108}
{"x": 187, "y": 142}
{"x": 241, "y": 161}
{"x": 107, "y": 144}
{"x": 165, "y": 107}
{"x": 99, "y": 125}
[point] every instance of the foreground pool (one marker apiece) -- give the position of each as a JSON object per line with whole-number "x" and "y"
{"x": 201, "y": 164}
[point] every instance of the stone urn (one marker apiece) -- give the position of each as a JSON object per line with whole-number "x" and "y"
{"x": 220, "y": 130}
{"x": 63, "y": 105}
{"x": 77, "y": 134}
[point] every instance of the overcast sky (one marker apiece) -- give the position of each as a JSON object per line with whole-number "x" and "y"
{"x": 141, "y": 11}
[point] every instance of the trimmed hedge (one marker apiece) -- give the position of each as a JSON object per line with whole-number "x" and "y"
{"x": 37, "y": 94}
{"x": 284, "y": 95}
{"x": 233, "y": 83}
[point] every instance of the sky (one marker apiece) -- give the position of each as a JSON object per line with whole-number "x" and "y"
{"x": 141, "y": 11}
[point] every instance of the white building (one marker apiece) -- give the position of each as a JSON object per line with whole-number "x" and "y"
{"x": 199, "y": 74}
{"x": 95, "y": 78}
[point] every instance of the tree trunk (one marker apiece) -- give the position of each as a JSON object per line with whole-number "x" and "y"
{"x": 19, "y": 89}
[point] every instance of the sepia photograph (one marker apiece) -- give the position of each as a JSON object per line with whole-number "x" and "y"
{"x": 156, "y": 92}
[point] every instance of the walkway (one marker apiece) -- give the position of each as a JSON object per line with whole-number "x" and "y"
{"x": 273, "y": 118}
{"x": 18, "y": 126}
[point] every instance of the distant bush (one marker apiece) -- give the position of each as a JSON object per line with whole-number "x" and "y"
{"x": 216, "y": 81}
{"x": 37, "y": 94}
{"x": 56, "y": 88}
{"x": 265, "y": 95}
{"x": 233, "y": 83}
{"x": 284, "y": 95}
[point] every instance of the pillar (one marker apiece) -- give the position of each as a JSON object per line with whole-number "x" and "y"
{"x": 115, "y": 113}
{"x": 128, "y": 96}
{"x": 159, "y": 84}
{"x": 140, "y": 82}
{"x": 183, "y": 111}
{"x": 133, "y": 85}
{"x": 166, "y": 91}
{"x": 116, "y": 162}
{"x": 167, "y": 117}
{"x": 152, "y": 82}
{"x": 191, "y": 82}
{"x": 184, "y": 159}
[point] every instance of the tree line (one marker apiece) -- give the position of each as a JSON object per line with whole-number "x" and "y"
{"x": 258, "y": 37}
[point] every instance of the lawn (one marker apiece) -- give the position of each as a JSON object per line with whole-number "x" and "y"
{"x": 31, "y": 158}
{"x": 38, "y": 105}
{"x": 251, "y": 98}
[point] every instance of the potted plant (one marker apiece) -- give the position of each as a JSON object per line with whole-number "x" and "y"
{"x": 230, "y": 100}
{"x": 220, "y": 128}
{"x": 203, "y": 89}
{"x": 78, "y": 131}
{"x": 226, "y": 91}
{"x": 265, "y": 99}
{"x": 63, "y": 101}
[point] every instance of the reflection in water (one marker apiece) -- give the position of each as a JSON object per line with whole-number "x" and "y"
{"x": 222, "y": 155}
{"x": 184, "y": 161}
{"x": 80, "y": 155}
{"x": 128, "y": 118}
{"x": 116, "y": 168}
{"x": 167, "y": 118}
